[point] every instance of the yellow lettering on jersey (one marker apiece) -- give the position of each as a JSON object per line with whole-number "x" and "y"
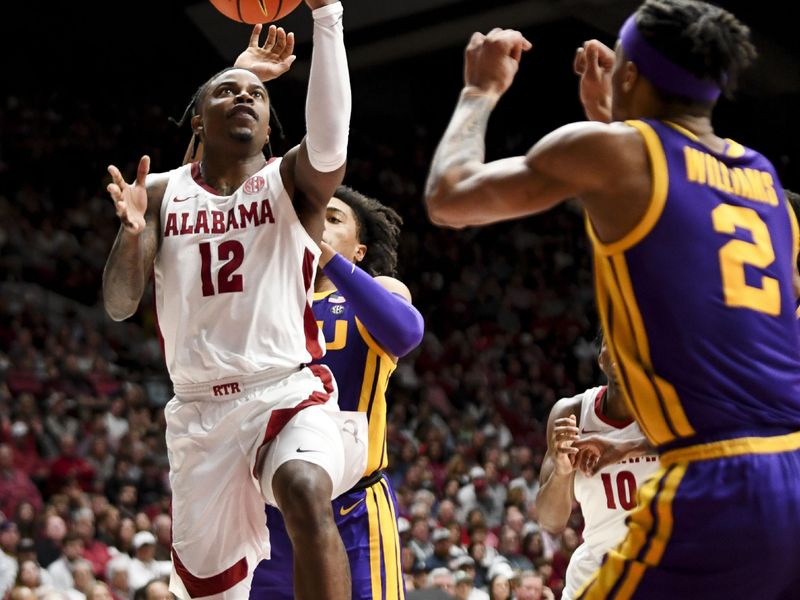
{"x": 704, "y": 169}
{"x": 339, "y": 335}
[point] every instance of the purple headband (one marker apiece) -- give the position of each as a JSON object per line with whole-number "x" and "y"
{"x": 660, "y": 70}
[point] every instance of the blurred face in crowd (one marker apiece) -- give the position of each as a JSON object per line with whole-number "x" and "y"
{"x": 158, "y": 590}
{"x": 444, "y": 582}
{"x": 146, "y": 552}
{"x": 463, "y": 590}
{"x": 530, "y": 587}
{"x": 500, "y": 589}
{"x": 99, "y": 591}
{"x": 29, "y": 574}
{"x": 9, "y": 537}
{"x": 55, "y": 529}
{"x": 73, "y": 549}
{"x": 83, "y": 576}
{"x": 6, "y": 457}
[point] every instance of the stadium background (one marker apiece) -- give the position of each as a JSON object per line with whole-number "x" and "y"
{"x": 509, "y": 309}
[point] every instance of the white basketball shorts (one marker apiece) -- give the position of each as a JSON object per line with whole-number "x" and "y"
{"x": 225, "y": 440}
{"x": 581, "y": 567}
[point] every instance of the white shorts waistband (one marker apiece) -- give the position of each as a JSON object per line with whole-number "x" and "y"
{"x": 232, "y": 387}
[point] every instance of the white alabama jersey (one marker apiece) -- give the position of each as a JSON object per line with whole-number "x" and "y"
{"x": 234, "y": 279}
{"x": 607, "y": 497}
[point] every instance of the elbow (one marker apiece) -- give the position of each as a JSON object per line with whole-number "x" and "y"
{"x": 439, "y": 214}
{"x": 120, "y": 313}
{"x": 410, "y": 338}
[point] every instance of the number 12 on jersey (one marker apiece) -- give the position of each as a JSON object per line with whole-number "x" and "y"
{"x": 232, "y": 253}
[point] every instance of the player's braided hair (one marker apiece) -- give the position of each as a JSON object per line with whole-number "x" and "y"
{"x": 704, "y": 39}
{"x": 197, "y": 100}
{"x": 378, "y": 228}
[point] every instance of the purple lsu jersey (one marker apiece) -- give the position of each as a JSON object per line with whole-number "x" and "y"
{"x": 698, "y": 300}
{"x": 361, "y": 368}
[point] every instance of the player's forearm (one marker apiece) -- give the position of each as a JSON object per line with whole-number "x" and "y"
{"x": 638, "y": 447}
{"x": 461, "y": 151}
{"x": 391, "y": 320}
{"x": 554, "y": 502}
{"x": 124, "y": 276}
{"x": 329, "y": 100}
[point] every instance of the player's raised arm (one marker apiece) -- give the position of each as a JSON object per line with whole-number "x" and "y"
{"x": 131, "y": 259}
{"x": 312, "y": 171}
{"x": 463, "y": 190}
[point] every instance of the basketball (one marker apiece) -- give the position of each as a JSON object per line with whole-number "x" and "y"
{"x": 255, "y": 11}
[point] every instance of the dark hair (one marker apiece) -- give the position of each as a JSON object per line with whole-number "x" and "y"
{"x": 197, "y": 100}
{"x": 704, "y": 39}
{"x": 378, "y": 227}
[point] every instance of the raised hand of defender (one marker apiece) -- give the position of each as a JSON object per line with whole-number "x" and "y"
{"x": 565, "y": 433}
{"x": 594, "y": 62}
{"x": 272, "y": 59}
{"x": 130, "y": 201}
{"x": 491, "y": 61}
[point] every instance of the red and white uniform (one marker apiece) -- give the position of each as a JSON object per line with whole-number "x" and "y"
{"x": 607, "y": 497}
{"x": 234, "y": 279}
{"x": 234, "y": 287}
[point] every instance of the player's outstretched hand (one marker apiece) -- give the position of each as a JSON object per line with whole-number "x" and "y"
{"x": 491, "y": 61}
{"x": 271, "y": 59}
{"x": 130, "y": 201}
{"x": 594, "y": 62}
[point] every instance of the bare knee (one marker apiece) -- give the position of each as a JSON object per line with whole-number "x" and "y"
{"x": 303, "y": 492}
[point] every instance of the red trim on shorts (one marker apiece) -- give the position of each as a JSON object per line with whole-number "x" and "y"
{"x": 281, "y": 416}
{"x": 210, "y": 586}
{"x": 598, "y": 411}
{"x": 309, "y": 320}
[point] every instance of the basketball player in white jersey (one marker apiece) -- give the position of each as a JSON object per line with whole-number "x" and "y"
{"x": 233, "y": 242}
{"x": 607, "y": 495}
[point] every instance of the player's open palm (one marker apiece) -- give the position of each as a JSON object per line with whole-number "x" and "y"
{"x": 271, "y": 59}
{"x": 130, "y": 201}
{"x": 594, "y": 62}
{"x": 565, "y": 432}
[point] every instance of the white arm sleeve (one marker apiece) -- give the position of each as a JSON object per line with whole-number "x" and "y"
{"x": 329, "y": 100}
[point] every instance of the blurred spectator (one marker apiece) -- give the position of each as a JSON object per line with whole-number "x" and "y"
{"x": 144, "y": 567}
{"x": 500, "y": 587}
{"x": 162, "y": 527}
{"x": 99, "y": 591}
{"x": 9, "y": 537}
{"x": 478, "y": 494}
{"x": 48, "y": 546}
{"x": 442, "y": 579}
{"x": 8, "y": 572}
{"x": 531, "y": 587}
{"x": 154, "y": 590}
{"x": 94, "y": 550}
{"x": 15, "y": 485}
{"x": 465, "y": 589}
{"x": 70, "y": 467}
{"x": 83, "y": 577}
{"x": 117, "y": 577}
{"x": 61, "y": 570}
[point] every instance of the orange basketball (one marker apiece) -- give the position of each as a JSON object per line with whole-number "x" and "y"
{"x": 255, "y": 11}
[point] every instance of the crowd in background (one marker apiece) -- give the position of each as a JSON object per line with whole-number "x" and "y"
{"x": 84, "y": 488}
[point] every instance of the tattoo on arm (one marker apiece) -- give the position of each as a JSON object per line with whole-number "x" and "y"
{"x": 464, "y": 141}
